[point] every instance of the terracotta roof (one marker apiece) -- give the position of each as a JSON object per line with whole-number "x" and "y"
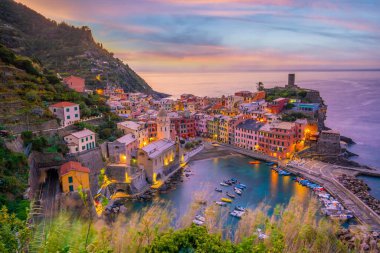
{"x": 72, "y": 166}
{"x": 63, "y": 104}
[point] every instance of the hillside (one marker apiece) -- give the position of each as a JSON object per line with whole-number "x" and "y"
{"x": 65, "y": 49}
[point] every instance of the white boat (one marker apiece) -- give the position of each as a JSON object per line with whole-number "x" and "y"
{"x": 223, "y": 184}
{"x": 200, "y": 218}
{"x": 220, "y": 203}
{"x": 236, "y": 213}
{"x": 198, "y": 222}
{"x": 238, "y": 192}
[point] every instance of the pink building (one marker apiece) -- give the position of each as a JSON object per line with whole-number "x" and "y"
{"x": 67, "y": 112}
{"x": 75, "y": 83}
{"x": 247, "y": 134}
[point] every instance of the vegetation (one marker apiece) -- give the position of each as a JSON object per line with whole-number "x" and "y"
{"x": 291, "y": 229}
{"x": 293, "y": 116}
{"x": 63, "y": 48}
{"x": 13, "y": 181}
{"x": 280, "y": 92}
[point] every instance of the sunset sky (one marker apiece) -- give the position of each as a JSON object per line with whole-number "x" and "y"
{"x": 229, "y": 36}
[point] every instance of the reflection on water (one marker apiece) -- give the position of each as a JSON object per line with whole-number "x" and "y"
{"x": 264, "y": 185}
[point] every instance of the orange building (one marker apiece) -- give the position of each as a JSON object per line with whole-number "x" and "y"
{"x": 72, "y": 175}
{"x": 75, "y": 83}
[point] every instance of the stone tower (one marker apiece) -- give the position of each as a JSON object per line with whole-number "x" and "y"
{"x": 163, "y": 125}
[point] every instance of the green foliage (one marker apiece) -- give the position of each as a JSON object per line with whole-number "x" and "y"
{"x": 192, "y": 239}
{"x": 293, "y": 116}
{"x": 289, "y": 106}
{"x": 14, "y": 234}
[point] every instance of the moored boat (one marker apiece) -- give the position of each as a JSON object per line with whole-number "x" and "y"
{"x": 218, "y": 190}
{"x": 236, "y": 213}
{"x": 220, "y": 203}
{"x": 240, "y": 208}
{"x": 226, "y": 200}
{"x": 223, "y": 184}
{"x": 254, "y": 162}
{"x": 237, "y": 191}
{"x": 198, "y": 222}
{"x": 230, "y": 195}
{"x": 200, "y": 217}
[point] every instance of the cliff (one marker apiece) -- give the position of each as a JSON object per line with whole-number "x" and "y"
{"x": 65, "y": 49}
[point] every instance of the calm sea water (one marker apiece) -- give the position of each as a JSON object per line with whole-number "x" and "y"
{"x": 353, "y": 98}
{"x": 264, "y": 186}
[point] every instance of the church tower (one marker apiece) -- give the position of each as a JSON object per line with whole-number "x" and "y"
{"x": 163, "y": 125}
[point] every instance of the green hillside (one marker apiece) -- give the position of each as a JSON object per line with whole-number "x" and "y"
{"x": 64, "y": 49}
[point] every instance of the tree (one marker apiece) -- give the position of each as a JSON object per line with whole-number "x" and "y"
{"x": 260, "y": 86}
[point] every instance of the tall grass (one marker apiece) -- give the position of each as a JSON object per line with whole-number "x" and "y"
{"x": 293, "y": 228}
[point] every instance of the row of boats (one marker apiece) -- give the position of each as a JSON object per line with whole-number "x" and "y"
{"x": 238, "y": 212}
{"x": 331, "y": 206}
{"x": 281, "y": 171}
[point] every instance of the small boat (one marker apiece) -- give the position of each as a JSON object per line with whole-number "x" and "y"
{"x": 236, "y": 213}
{"x": 254, "y": 162}
{"x": 230, "y": 195}
{"x": 200, "y": 218}
{"x": 198, "y": 222}
{"x": 228, "y": 182}
{"x": 218, "y": 190}
{"x": 223, "y": 184}
{"x": 239, "y": 187}
{"x": 237, "y": 191}
{"x": 240, "y": 208}
{"x": 233, "y": 180}
{"x": 226, "y": 200}
{"x": 220, "y": 203}
{"x": 242, "y": 185}
{"x": 270, "y": 163}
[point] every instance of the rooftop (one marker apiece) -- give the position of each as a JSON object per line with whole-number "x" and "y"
{"x": 156, "y": 148}
{"x": 130, "y": 124}
{"x": 85, "y": 132}
{"x": 250, "y": 124}
{"x": 63, "y": 104}
{"x": 127, "y": 139}
{"x": 72, "y": 166}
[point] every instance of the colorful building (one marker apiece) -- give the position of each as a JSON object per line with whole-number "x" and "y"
{"x": 156, "y": 159}
{"x": 123, "y": 150}
{"x": 247, "y": 134}
{"x": 80, "y": 141}
{"x": 68, "y": 113}
{"x": 138, "y": 129}
{"x": 75, "y": 83}
{"x": 73, "y": 175}
{"x": 277, "y": 105}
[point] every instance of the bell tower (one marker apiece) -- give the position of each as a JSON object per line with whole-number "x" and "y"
{"x": 163, "y": 125}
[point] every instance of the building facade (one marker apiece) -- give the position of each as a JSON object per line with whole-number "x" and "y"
{"x": 80, "y": 141}
{"x": 68, "y": 113}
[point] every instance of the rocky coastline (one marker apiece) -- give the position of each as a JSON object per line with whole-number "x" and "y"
{"x": 358, "y": 237}
{"x": 361, "y": 190}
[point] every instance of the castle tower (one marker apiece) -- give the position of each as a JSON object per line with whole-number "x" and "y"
{"x": 163, "y": 125}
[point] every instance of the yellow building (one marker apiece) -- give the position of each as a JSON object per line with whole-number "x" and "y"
{"x": 224, "y": 129}
{"x": 72, "y": 175}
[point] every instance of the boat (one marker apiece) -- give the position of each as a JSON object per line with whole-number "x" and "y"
{"x": 236, "y": 213}
{"x": 226, "y": 200}
{"x": 198, "y": 222}
{"x": 220, "y": 203}
{"x": 341, "y": 216}
{"x": 270, "y": 163}
{"x": 237, "y": 191}
{"x": 242, "y": 185}
{"x": 228, "y": 182}
{"x": 239, "y": 187}
{"x": 233, "y": 180}
{"x": 200, "y": 218}
{"x": 240, "y": 208}
{"x": 223, "y": 184}
{"x": 254, "y": 162}
{"x": 218, "y": 190}
{"x": 230, "y": 195}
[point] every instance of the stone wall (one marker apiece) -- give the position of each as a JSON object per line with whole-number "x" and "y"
{"x": 329, "y": 143}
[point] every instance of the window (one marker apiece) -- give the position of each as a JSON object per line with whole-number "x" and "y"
{"x": 67, "y": 109}
{"x": 70, "y": 180}
{"x": 76, "y": 108}
{"x": 86, "y": 138}
{"x": 68, "y": 117}
{"x": 76, "y": 149}
{"x": 71, "y": 188}
{"x": 76, "y": 115}
{"x": 82, "y": 140}
{"x": 55, "y": 110}
{"x": 91, "y": 137}
{"x": 83, "y": 147}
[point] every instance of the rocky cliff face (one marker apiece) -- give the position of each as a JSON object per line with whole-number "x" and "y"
{"x": 65, "y": 49}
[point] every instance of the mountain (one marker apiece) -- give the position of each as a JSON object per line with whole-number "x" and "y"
{"x": 66, "y": 49}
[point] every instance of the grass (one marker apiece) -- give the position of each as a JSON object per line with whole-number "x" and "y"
{"x": 293, "y": 228}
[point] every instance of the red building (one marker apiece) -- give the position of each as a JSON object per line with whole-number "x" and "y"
{"x": 279, "y": 139}
{"x": 184, "y": 126}
{"x": 152, "y": 130}
{"x": 75, "y": 83}
{"x": 277, "y": 105}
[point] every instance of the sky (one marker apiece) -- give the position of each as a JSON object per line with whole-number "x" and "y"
{"x": 161, "y": 36}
